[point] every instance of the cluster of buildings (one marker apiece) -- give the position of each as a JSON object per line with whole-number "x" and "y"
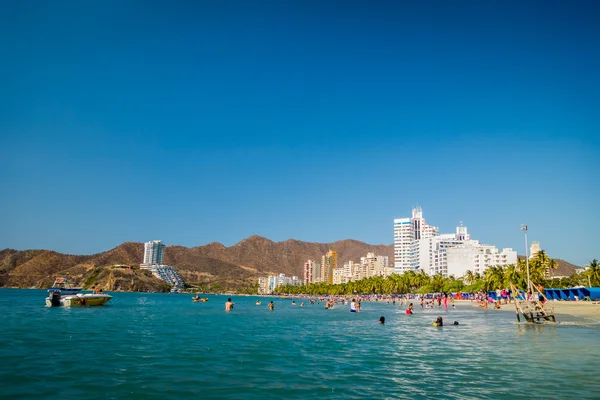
{"x": 329, "y": 272}
{"x": 153, "y": 262}
{"x": 268, "y": 284}
{"x": 419, "y": 246}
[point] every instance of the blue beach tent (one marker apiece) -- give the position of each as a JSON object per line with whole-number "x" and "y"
{"x": 591, "y": 293}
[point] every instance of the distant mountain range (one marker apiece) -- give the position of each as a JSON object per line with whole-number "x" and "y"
{"x": 212, "y": 266}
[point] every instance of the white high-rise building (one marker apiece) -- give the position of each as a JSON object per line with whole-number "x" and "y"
{"x": 153, "y": 253}
{"x": 407, "y": 233}
{"x": 534, "y": 249}
{"x": 418, "y": 246}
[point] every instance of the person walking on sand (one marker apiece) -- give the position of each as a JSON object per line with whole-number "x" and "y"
{"x": 229, "y": 305}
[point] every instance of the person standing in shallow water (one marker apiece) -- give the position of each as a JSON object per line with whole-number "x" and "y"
{"x": 353, "y": 306}
{"x": 271, "y": 306}
{"x": 229, "y": 305}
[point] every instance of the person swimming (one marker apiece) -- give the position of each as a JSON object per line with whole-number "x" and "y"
{"x": 353, "y": 306}
{"x": 382, "y": 320}
{"x": 271, "y": 306}
{"x": 409, "y": 310}
{"x": 438, "y": 322}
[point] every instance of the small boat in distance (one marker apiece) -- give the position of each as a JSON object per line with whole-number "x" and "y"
{"x": 62, "y": 284}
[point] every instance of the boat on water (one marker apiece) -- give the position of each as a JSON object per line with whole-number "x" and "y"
{"x": 57, "y": 299}
{"x": 61, "y": 283}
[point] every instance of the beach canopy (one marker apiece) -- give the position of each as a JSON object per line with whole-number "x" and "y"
{"x": 591, "y": 293}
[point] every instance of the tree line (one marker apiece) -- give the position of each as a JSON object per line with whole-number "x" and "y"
{"x": 541, "y": 268}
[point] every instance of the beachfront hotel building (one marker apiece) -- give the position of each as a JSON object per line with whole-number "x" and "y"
{"x": 279, "y": 280}
{"x": 407, "y": 233}
{"x": 418, "y": 246}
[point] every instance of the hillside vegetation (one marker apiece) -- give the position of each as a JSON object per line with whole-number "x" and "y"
{"x": 213, "y": 267}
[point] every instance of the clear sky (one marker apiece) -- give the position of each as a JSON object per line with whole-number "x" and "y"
{"x": 201, "y": 121}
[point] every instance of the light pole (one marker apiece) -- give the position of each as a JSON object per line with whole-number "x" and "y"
{"x": 524, "y": 229}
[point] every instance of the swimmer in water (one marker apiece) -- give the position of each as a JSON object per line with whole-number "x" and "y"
{"x": 438, "y": 322}
{"x": 271, "y": 306}
{"x": 382, "y": 320}
{"x": 409, "y": 310}
{"x": 229, "y": 305}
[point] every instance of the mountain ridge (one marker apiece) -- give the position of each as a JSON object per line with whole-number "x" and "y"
{"x": 210, "y": 265}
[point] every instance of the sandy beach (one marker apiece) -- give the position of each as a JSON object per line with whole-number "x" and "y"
{"x": 582, "y": 309}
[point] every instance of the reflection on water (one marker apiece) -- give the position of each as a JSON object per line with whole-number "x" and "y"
{"x": 166, "y": 346}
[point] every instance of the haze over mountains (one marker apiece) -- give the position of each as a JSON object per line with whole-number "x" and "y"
{"x": 209, "y": 265}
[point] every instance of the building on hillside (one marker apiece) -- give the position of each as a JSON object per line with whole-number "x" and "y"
{"x": 153, "y": 261}
{"x": 274, "y": 281}
{"x": 167, "y": 274}
{"x": 153, "y": 253}
{"x": 328, "y": 264}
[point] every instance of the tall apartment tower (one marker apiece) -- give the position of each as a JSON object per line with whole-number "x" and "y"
{"x": 309, "y": 271}
{"x": 153, "y": 253}
{"x": 328, "y": 264}
{"x": 407, "y": 233}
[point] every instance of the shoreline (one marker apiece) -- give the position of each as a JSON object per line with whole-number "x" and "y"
{"x": 569, "y": 309}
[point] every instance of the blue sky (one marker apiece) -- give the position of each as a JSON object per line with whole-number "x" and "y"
{"x": 194, "y": 122}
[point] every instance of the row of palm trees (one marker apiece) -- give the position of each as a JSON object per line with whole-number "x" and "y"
{"x": 541, "y": 269}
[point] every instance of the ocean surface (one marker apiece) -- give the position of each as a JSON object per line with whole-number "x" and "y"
{"x": 164, "y": 346}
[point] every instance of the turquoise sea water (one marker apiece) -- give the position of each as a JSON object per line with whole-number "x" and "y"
{"x": 164, "y": 346}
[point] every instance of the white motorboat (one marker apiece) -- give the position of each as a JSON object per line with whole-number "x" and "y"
{"x": 56, "y": 299}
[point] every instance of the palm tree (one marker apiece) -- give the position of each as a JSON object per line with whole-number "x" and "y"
{"x": 469, "y": 278}
{"x": 493, "y": 277}
{"x": 552, "y": 265}
{"x": 592, "y": 270}
{"x": 512, "y": 275}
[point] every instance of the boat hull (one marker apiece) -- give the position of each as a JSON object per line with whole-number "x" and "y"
{"x": 82, "y": 300}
